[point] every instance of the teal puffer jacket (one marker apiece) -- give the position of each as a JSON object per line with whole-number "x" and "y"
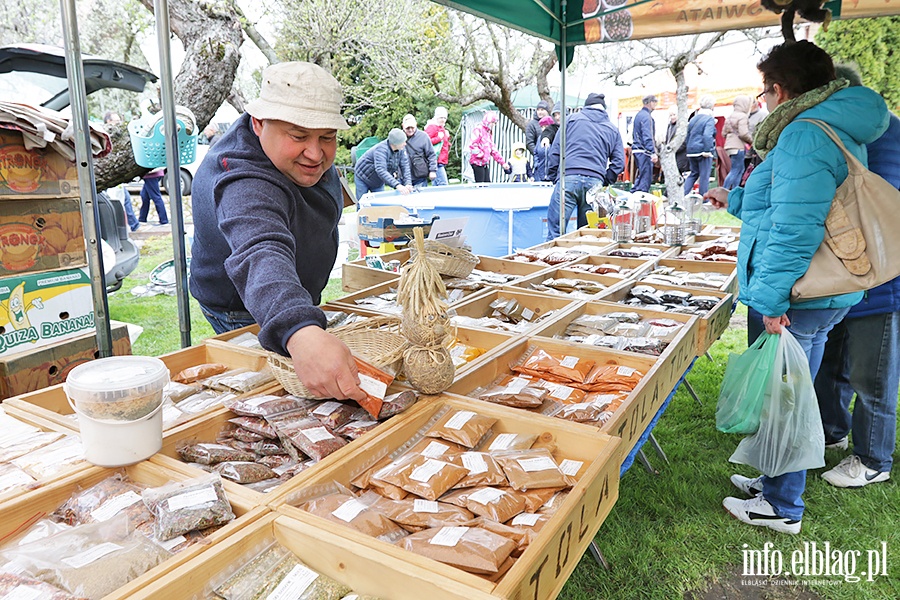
{"x": 786, "y": 199}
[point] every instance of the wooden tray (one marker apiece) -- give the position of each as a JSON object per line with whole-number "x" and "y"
{"x": 720, "y": 230}
{"x": 349, "y": 301}
{"x": 362, "y": 568}
{"x": 710, "y": 326}
{"x": 667, "y": 251}
{"x": 588, "y": 233}
{"x": 701, "y": 266}
{"x": 52, "y": 405}
{"x": 628, "y": 422}
{"x": 479, "y": 306}
{"x": 357, "y": 275}
{"x": 610, "y": 281}
{"x": 544, "y": 567}
{"x": 30, "y": 507}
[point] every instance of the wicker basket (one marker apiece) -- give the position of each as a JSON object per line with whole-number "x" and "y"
{"x": 376, "y": 340}
{"x": 452, "y": 262}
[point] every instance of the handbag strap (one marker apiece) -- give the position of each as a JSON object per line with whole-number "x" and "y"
{"x": 845, "y": 238}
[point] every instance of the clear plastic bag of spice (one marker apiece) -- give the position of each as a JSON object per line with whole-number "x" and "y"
{"x": 333, "y": 414}
{"x": 555, "y": 367}
{"x": 200, "y": 402}
{"x": 529, "y": 469}
{"x": 246, "y": 381}
{"x": 495, "y": 504}
{"x": 18, "y": 586}
{"x": 113, "y": 496}
{"x": 52, "y": 458}
{"x": 88, "y": 561}
{"x": 210, "y": 454}
{"x": 483, "y": 469}
{"x": 268, "y": 405}
{"x": 27, "y": 442}
{"x": 422, "y": 476}
{"x": 469, "y": 548}
{"x": 356, "y": 429}
{"x": 245, "y": 471}
{"x": 463, "y": 427}
{"x": 184, "y": 506}
{"x": 396, "y": 404}
{"x": 12, "y": 477}
{"x": 518, "y": 392}
{"x": 198, "y": 372}
{"x": 415, "y": 514}
{"x": 345, "y": 509}
{"x": 176, "y": 392}
{"x": 307, "y": 434}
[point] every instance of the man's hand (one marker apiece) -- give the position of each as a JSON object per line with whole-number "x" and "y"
{"x": 654, "y": 159}
{"x": 404, "y": 189}
{"x": 324, "y": 364}
{"x": 718, "y": 197}
{"x": 432, "y": 175}
{"x": 774, "y": 324}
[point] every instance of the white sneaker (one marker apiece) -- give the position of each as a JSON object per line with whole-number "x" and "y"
{"x": 752, "y": 486}
{"x": 852, "y": 473}
{"x": 841, "y": 444}
{"x": 757, "y": 511}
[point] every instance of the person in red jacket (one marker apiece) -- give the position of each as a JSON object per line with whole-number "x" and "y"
{"x": 441, "y": 140}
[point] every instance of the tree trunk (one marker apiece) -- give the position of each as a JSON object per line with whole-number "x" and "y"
{"x": 675, "y": 193}
{"x": 212, "y": 38}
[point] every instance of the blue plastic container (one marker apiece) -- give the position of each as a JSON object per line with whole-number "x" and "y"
{"x": 502, "y": 216}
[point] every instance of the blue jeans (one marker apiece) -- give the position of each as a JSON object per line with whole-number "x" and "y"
{"x": 540, "y": 164}
{"x": 810, "y": 328}
{"x": 420, "y": 183}
{"x": 150, "y": 191}
{"x": 737, "y": 171}
{"x": 700, "y": 168}
{"x": 133, "y": 222}
{"x": 644, "y": 174}
{"x": 441, "y": 173}
{"x": 576, "y": 190}
{"x": 226, "y": 320}
{"x": 363, "y": 188}
{"x": 862, "y": 355}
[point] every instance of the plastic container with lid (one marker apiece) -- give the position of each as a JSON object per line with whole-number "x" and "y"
{"x": 118, "y": 401}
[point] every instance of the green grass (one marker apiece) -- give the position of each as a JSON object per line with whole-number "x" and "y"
{"x": 668, "y": 533}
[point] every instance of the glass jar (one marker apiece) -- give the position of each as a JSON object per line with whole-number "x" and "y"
{"x": 674, "y": 225}
{"x": 623, "y": 222}
{"x": 694, "y": 213}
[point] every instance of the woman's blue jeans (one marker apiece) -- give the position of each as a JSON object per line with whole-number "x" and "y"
{"x": 863, "y": 356}
{"x": 810, "y": 328}
{"x": 737, "y": 171}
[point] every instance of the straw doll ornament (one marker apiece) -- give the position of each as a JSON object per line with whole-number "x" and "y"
{"x": 425, "y": 324}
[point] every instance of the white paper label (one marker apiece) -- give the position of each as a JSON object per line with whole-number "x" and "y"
{"x": 295, "y": 584}
{"x": 88, "y": 556}
{"x": 458, "y": 420}
{"x": 426, "y": 471}
{"x": 114, "y": 506}
{"x": 192, "y": 498}
{"x": 625, "y": 371}
{"x": 173, "y": 543}
{"x": 569, "y": 362}
{"x": 349, "y": 510}
{"x": 528, "y": 519}
{"x": 13, "y": 479}
{"x": 425, "y": 506}
{"x": 486, "y": 495}
{"x": 570, "y": 467}
{"x": 592, "y": 339}
{"x": 373, "y": 387}
{"x": 503, "y": 441}
{"x": 541, "y": 463}
{"x": 527, "y": 314}
{"x": 517, "y": 385}
{"x": 259, "y": 400}
{"x": 448, "y": 536}
{"x": 474, "y": 462}
{"x": 316, "y": 434}
{"x": 326, "y": 408}
{"x": 22, "y": 592}
{"x": 435, "y": 449}
{"x": 560, "y": 391}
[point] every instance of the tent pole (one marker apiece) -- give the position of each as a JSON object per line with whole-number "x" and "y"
{"x": 562, "y": 125}
{"x": 173, "y": 185}
{"x": 90, "y": 211}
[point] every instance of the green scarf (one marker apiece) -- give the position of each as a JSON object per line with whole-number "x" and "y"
{"x": 767, "y": 132}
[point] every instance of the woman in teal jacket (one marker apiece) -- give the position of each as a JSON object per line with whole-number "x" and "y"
{"x": 783, "y": 207}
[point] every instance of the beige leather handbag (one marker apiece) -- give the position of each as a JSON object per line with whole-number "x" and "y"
{"x": 861, "y": 249}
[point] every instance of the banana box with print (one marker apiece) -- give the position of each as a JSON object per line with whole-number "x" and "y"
{"x": 41, "y": 309}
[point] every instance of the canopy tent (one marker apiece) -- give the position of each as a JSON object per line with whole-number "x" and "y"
{"x": 590, "y": 21}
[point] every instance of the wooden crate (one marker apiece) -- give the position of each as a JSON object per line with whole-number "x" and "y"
{"x": 720, "y": 230}
{"x": 51, "y": 403}
{"x": 629, "y": 421}
{"x": 667, "y": 251}
{"x": 206, "y": 428}
{"x": 539, "y": 304}
{"x": 349, "y": 301}
{"x": 508, "y": 267}
{"x": 27, "y": 508}
{"x": 678, "y": 353}
{"x": 366, "y": 570}
{"x": 589, "y": 233}
{"x": 487, "y": 339}
{"x": 610, "y": 281}
{"x": 357, "y": 275}
{"x": 693, "y": 266}
{"x": 544, "y": 567}
{"x": 710, "y": 326}
{"x": 640, "y": 266}
{"x": 43, "y": 425}
{"x": 599, "y": 244}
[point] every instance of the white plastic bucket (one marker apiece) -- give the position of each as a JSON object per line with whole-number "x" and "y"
{"x": 120, "y": 443}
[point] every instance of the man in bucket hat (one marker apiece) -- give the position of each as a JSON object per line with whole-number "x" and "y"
{"x": 266, "y": 204}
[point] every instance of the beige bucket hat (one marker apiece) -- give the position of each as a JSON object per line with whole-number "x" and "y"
{"x": 300, "y": 93}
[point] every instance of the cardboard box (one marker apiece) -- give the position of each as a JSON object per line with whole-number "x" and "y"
{"x": 36, "y": 173}
{"x": 41, "y": 236}
{"x": 46, "y": 308}
{"x": 36, "y": 369}
{"x": 380, "y": 224}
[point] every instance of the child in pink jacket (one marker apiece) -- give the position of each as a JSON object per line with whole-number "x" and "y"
{"x": 482, "y": 149}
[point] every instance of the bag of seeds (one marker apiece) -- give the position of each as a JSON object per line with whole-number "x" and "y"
{"x": 245, "y": 472}
{"x": 510, "y": 441}
{"x": 468, "y": 548}
{"x": 209, "y": 454}
{"x": 333, "y": 414}
{"x": 347, "y": 510}
{"x": 463, "y": 427}
{"x": 113, "y": 496}
{"x": 184, "y": 506}
{"x": 266, "y": 406}
{"x": 396, "y": 404}
{"x": 256, "y": 425}
{"x": 422, "y": 476}
{"x": 529, "y": 469}
{"x": 308, "y": 434}
{"x": 495, "y": 504}
{"x": 483, "y": 470}
{"x": 417, "y": 514}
